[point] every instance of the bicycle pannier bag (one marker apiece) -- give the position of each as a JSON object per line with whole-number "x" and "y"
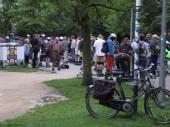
{"x": 103, "y": 90}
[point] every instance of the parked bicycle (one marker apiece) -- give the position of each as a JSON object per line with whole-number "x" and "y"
{"x": 105, "y": 99}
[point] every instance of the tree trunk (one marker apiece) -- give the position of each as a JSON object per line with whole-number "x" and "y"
{"x": 87, "y": 60}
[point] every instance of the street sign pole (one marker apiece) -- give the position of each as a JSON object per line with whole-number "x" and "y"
{"x": 131, "y": 25}
{"x": 163, "y": 45}
{"x": 136, "y": 52}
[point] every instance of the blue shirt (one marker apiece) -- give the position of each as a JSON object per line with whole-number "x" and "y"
{"x": 111, "y": 47}
{"x": 26, "y": 49}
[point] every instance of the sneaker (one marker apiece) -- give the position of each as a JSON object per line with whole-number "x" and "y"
{"x": 47, "y": 66}
{"x": 53, "y": 69}
{"x": 58, "y": 68}
{"x": 109, "y": 78}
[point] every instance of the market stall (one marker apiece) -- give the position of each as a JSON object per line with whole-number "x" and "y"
{"x": 11, "y": 54}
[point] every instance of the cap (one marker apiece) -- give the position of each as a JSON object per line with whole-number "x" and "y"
{"x": 28, "y": 35}
{"x": 61, "y": 37}
{"x": 43, "y": 35}
{"x": 48, "y": 38}
{"x": 113, "y": 35}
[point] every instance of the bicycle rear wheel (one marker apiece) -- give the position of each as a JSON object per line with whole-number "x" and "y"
{"x": 157, "y": 105}
{"x": 97, "y": 110}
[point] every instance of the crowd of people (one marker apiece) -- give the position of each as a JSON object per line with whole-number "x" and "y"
{"x": 110, "y": 52}
{"x": 120, "y": 53}
{"x": 39, "y": 48}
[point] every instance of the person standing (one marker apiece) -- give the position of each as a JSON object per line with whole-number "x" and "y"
{"x": 98, "y": 44}
{"x": 155, "y": 51}
{"x": 26, "y": 51}
{"x": 148, "y": 40}
{"x": 77, "y": 51}
{"x": 73, "y": 46}
{"x": 42, "y": 42}
{"x": 110, "y": 56}
{"x": 65, "y": 44}
{"x": 143, "y": 54}
{"x": 48, "y": 51}
{"x": 55, "y": 54}
{"x": 35, "y": 49}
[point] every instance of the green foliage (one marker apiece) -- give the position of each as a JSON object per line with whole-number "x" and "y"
{"x": 151, "y": 16}
{"x": 58, "y": 16}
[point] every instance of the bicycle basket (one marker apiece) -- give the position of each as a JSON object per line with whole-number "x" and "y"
{"x": 103, "y": 90}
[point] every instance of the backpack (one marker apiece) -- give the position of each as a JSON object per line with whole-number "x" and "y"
{"x": 105, "y": 47}
{"x": 157, "y": 48}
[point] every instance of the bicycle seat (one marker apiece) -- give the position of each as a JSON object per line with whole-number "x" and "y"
{"x": 117, "y": 72}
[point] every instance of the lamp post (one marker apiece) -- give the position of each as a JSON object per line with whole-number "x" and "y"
{"x": 163, "y": 45}
{"x": 136, "y": 51}
{"x": 131, "y": 25}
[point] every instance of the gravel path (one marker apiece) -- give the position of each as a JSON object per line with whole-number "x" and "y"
{"x": 19, "y": 92}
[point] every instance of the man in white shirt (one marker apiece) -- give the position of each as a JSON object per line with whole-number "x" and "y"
{"x": 100, "y": 56}
{"x": 73, "y": 46}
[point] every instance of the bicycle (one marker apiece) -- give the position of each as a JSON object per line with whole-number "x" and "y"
{"x": 156, "y": 100}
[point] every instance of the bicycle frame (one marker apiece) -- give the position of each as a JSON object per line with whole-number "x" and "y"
{"x": 142, "y": 81}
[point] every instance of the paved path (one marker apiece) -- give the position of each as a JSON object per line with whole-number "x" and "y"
{"x": 19, "y": 92}
{"x": 167, "y": 83}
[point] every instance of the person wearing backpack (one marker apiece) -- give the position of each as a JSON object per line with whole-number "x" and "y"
{"x": 110, "y": 55}
{"x": 155, "y": 51}
{"x": 143, "y": 53}
{"x": 148, "y": 40}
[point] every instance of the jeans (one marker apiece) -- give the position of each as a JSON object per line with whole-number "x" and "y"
{"x": 154, "y": 59}
{"x": 35, "y": 52}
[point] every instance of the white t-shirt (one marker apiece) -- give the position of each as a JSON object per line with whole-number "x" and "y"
{"x": 73, "y": 44}
{"x": 98, "y": 44}
{"x": 77, "y": 47}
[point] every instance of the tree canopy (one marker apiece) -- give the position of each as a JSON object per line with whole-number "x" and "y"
{"x": 57, "y": 17}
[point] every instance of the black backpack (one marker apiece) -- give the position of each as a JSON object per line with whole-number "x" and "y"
{"x": 142, "y": 50}
{"x": 105, "y": 47}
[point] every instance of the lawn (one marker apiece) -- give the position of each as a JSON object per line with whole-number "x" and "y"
{"x": 19, "y": 69}
{"x": 72, "y": 113}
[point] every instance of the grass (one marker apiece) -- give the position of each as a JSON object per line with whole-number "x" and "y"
{"x": 18, "y": 69}
{"x": 72, "y": 113}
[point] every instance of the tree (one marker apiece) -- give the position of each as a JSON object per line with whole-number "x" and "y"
{"x": 87, "y": 11}
{"x": 6, "y": 23}
{"x": 151, "y": 16}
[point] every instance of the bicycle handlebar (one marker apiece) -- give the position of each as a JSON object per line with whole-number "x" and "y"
{"x": 144, "y": 69}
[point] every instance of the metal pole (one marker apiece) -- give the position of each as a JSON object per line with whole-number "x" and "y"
{"x": 131, "y": 25}
{"x": 136, "y": 52}
{"x": 163, "y": 45}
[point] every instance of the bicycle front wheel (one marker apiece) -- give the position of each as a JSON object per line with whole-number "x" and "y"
{"x": 97, "y": 110}
{"x": 157, "y": 105}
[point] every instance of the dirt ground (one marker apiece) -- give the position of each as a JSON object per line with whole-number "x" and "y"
{"x": 19, "y": 92}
